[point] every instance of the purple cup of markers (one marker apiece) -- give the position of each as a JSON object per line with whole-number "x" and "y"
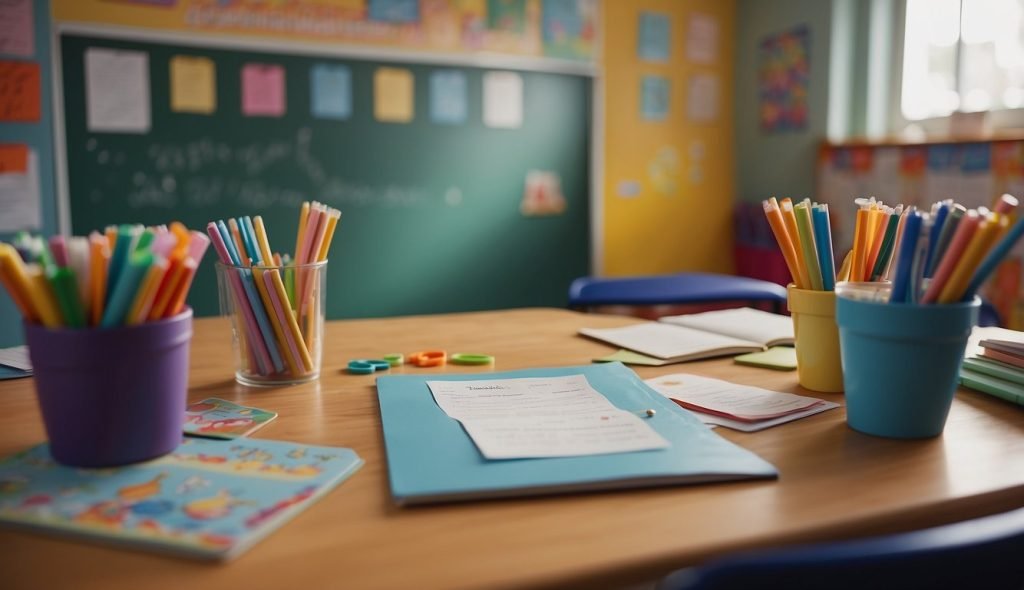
{"x": 112, "y": 396}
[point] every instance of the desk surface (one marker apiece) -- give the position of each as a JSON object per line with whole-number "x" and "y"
{"x": 834, "y": 482}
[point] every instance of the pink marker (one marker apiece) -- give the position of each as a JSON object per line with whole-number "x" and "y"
{"x": 242, "y": 303}
{"x": 59, "y": 250}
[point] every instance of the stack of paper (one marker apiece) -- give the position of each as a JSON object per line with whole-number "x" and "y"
{"x": 996, "y": 366}
{"x": 14, "y": 363}
{"x": 739, "y": 407}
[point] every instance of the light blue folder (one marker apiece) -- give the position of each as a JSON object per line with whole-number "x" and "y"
{"x": 432, "y": 459}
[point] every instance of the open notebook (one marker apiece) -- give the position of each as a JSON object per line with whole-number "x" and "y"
{"x": 208, "y": 499}
{"x": 701, "y": 335}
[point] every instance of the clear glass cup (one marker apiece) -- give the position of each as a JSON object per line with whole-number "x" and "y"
{"x": 277, "y": 321}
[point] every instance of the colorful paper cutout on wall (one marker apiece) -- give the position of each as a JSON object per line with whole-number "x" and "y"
{"x": 506, "y": 15}
{"x": 663, "y": 171}
{"x": 702, "y": 98}
{"x": 783, "y": 78}
{"x": 510, "y": 27}
{"x": 569, "y": 28}
{"x": 17, "y": 32}
{"x": 13, "y": 158}
{"x": 193, "y": 84}
{"x": 448, "y": 102}
{"x": 654, "y": 98}
{"x": 19, "y": 91}
{"x": 542, "y": 195}
{"x": 394, "y": 11}
{"x": 653, "y": 36}
{"x": 393, "y": 98}
{"x": 19, "y": 195}
{"x": 503, "y": 100}
{"x": 702, "y": 39}
{"x": 331, "y": 91}
{"x": 117, "y": 90}
{"x": 263, "y": 90}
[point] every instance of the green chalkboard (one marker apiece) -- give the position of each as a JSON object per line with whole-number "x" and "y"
{"x": 431, "y": 217}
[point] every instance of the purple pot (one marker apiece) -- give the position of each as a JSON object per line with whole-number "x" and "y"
{"x": 112, "y": 396}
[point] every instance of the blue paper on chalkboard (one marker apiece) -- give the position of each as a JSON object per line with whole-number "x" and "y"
{"x": 654, "y": 98}
{"x": 331, "y": 92}
{"x": 448, "y": 97}
{"x": 653, "y": 36}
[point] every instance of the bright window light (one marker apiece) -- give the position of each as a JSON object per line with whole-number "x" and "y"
{"x": 962, "y": 54}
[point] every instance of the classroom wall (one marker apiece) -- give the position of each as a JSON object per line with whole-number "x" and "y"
{"x": 668, "y": 184}
{"x": 782, "y": 162}
{"x": 38, "y": 136}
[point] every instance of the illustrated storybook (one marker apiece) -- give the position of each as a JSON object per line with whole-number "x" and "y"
{"x": 696, "y": 336}
{"x": 433, "y": 458}
{"x": 217, "y": 418}
{"x": 209, "y": 499}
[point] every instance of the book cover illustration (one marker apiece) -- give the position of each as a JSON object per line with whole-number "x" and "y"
{"x": 217, "y": 418}
{"x": 209, "y": 499}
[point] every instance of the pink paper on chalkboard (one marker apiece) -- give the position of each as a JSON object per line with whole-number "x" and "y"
{"x": 263, "y": 90}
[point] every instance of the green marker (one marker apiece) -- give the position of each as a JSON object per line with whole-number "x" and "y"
{"x": 62, "y": 281}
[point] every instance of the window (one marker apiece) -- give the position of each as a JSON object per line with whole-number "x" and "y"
{"x": 962, "y": 55}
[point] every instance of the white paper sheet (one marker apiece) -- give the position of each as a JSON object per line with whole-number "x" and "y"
{"x": 573, "y": 435}
{"x": 542, "y": 417}
{"x": 503, "y": 100}
{"x": 117, "y": 90}
{"x": 736, "y": 401}
{"x": 19, "y": 198}
{"x": 712, "y": 420}
{"x": 16, "y": 357}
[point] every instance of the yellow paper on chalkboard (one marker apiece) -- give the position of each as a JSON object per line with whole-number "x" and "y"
{"x": 193, "y": 85}
{"x": 393, "y": 95}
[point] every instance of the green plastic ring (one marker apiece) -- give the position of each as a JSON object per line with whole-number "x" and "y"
{"x": 395, "y": 359}
{"x": 471, "y": 359}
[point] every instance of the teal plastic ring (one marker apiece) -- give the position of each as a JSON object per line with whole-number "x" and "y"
{"x": 360, "y": 367}
{"x": 379, "y": 365}
{"x": 471, "y": 359}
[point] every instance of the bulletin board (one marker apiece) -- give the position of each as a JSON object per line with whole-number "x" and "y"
{"x": 433, "y": 211}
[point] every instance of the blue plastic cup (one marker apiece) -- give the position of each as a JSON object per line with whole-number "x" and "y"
{"x": 901, "y": 364}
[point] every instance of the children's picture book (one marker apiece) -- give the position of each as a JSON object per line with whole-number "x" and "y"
{"x": 701, "y": 335}
{"x": 217, "y": 418}
{"x": 208, "y": 499}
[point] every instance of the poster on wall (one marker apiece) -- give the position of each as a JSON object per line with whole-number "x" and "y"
{"x": 564, "y": 29}
{"x": 782, "y": 80}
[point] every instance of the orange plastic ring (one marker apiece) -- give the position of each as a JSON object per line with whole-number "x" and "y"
{"x": 429, "y": 358}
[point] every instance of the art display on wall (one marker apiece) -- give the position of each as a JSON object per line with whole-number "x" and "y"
{"x": 783, "y": 79}
{"x": 564, "y": 29}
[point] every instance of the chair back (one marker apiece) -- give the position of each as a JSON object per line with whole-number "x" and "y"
{"x": 985, "y": 553}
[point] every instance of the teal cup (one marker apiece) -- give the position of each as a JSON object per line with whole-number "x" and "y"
{"x": 901, "y": 363}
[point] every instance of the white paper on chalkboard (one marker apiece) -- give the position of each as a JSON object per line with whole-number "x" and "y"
{"x": 503, "y": 100}
{"x": 117, "y": 90}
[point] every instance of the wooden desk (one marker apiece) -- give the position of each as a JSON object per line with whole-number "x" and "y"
{"x": 835, "y": 483}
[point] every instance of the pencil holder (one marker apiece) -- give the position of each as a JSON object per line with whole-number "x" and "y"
{"x": 818, "y": 365}
{"x": 277, "y": 321}
{"x": 112, "y": 396}
{"x": 901, "y": 363}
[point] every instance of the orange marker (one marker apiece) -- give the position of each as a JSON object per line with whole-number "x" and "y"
{"x": 771, "y": 211}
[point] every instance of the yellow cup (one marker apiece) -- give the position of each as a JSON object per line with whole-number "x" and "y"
{"x": 818, "y": 364}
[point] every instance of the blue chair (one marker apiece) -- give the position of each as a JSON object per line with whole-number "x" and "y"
{"x": 675, "y": 289}
{"x": 981, "y": 553}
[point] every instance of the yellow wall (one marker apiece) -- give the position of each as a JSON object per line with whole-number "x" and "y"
{"x": 675, "y": 222}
